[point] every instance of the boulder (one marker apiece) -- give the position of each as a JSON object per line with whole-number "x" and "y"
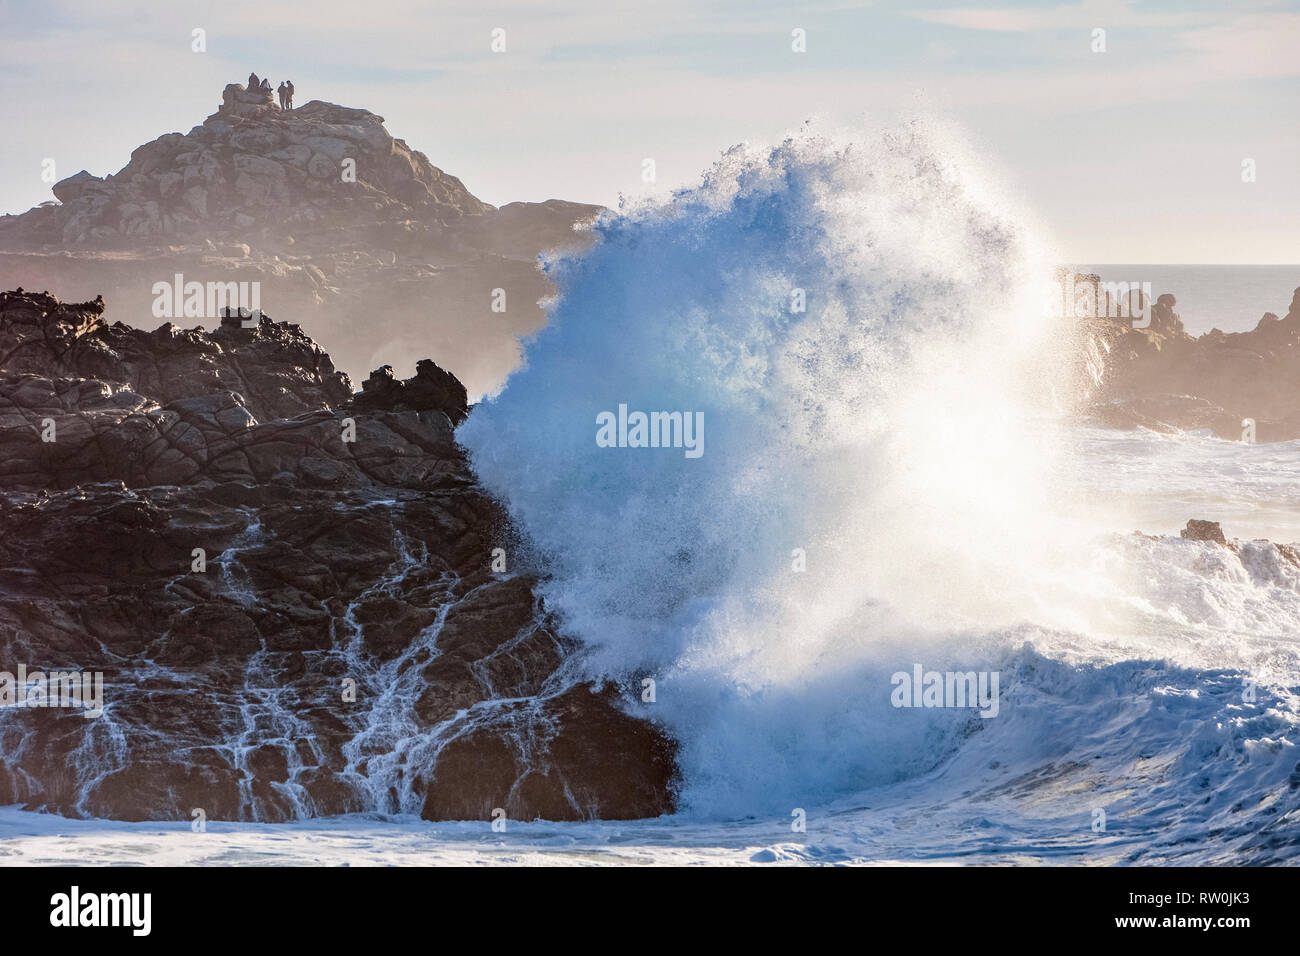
{"x": 75, "y": 186}
{"x": 1198, "y": 530}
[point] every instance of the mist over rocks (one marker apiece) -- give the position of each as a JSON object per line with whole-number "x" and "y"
{"x": 198, "y": 528}
{"x": 1163, "y": 379}
{"x": 375, "y": 251}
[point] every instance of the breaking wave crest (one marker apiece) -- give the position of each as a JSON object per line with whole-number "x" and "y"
{"x": 881, "y": 483}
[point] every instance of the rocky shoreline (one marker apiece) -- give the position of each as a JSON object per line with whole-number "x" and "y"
{"x": 342, "y": 225}
{"x": 1163, "y": 379}
{"x": 289, "y": 624}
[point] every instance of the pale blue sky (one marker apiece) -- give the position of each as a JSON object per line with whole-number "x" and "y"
{"x": 1131, "y": 155}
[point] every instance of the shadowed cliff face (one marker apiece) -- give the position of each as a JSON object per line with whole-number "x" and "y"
{"x": 288, "y": 622}
{"x": 376, "y": 251}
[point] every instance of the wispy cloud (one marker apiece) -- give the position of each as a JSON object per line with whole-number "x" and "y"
{"x": 1067, "y": 16}
{"x": 1258, "y": 45}
{"x": 589, "y": 88}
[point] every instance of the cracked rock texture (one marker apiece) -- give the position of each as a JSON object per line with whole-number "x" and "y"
{"x": 288, "y": 623}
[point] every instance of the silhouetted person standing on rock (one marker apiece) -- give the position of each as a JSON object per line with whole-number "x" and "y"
{"x": 283, "y": 92}
{"x": 254, "y": 84}
{"x": 289, "y": 88}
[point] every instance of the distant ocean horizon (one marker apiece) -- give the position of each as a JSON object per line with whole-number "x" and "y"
{"x": 1232, "y": 298}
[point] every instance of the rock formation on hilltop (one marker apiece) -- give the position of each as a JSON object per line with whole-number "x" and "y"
{"x": 252, "y": 168}
{"x": 342, "y": 225}
{"x": 288, "y": 622}
{"x": 1161, "y": 378}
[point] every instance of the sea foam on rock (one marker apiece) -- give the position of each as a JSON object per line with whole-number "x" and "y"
{"x": 324, "y": 562}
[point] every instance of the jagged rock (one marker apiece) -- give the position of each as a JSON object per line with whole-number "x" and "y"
{"x": 257, "y": 160}
{"x": 1160, "y": 377}
{"x": 75, "y": 186}
{"x": 239, "y": 100}
{"x": 289, "y": 200}
{"x": 1164, "y": 320}
{"x": 430, "y": 388}
{"x": 321, "y": 564}
{"x": 277, "y": 369}
{"x": 1198, "y": 530}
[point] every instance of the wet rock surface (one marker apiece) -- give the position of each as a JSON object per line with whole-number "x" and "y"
{"x": 288, "y": 623}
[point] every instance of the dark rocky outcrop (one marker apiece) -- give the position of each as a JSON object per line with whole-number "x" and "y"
{"x": 430, "y": 388}
{"x": 288, "y": 622}
{"x": 600, "y": 779}
{"x": 275, "y": 368}
{"x": 1161, "y": 378}
{"x": 1199, "y": 530}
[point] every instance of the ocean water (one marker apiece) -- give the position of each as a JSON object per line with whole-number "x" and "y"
{"x": 886, "y": 482}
